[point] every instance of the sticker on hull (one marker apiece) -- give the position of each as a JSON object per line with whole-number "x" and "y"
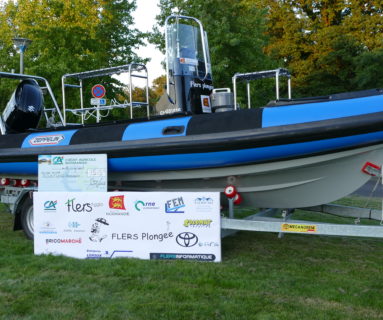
{"x": 46, "y": 139}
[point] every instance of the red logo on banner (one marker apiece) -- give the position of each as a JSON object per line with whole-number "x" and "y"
{"x": 117, "y": 202}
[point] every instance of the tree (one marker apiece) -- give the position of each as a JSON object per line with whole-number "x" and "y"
{"x": 369, "y": 70}
{"x": 158, "y": 86}
{"x": 319, "y": 40}
{"x": 68, "y": 36}
{"x": 329, "y": 45}
{"x": 236, "y": 31}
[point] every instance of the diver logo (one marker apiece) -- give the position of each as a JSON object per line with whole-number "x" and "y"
{"x": 95, "y": 232}
{"x": 175, "y": 205}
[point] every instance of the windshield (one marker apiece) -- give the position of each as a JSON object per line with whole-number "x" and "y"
{"x": 185, "y": 51}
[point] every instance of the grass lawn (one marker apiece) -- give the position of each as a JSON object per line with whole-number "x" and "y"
{"x": 261, "y": 277}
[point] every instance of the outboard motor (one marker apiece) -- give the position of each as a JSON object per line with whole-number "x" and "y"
{"x": 24, "y": 109}
{"x": 189, "y": 78}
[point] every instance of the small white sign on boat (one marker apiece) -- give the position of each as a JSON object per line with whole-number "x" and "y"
{"x": 97, "y": 102}
{"x": 73, "y": 172}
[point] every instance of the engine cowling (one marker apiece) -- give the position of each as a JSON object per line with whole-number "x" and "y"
{"x": 24, "y": 109}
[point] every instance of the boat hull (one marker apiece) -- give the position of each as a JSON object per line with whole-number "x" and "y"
{"x": 296, "y": 155}
{"x": 293, "y": 183}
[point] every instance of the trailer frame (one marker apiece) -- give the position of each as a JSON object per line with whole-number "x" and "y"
{"x": 265, "y": 221}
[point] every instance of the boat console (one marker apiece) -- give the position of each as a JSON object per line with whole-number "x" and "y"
{"x": 188, "y": 68}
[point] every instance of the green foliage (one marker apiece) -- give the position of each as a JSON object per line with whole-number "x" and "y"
{"x": 323, "y": 42}
{"x": 336, "y": 69}
{"x": 159, "y": 85}
{"x": 236, "y": 36}
{"x": 329, "y": 46}
{"x": 68, "y": 36}
{"x": 369, "y": 69}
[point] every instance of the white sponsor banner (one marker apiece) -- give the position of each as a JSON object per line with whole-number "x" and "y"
{"x": 144, "y": 225}
{"x": 73, "y": 172}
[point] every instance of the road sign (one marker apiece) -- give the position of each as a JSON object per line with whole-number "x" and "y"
{"x": 97, "y": 102}
{"x": 98, "y": 91}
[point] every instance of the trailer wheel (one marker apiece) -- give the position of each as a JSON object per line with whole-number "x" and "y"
{"x": 27, "y": 218}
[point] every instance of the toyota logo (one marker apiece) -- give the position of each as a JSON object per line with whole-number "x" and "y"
{"x": 187, "y": 239}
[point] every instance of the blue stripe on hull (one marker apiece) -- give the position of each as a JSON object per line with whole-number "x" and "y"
{"x": 48, "y": 139}
{"x": 19, "y": 168}
{"x": 153, "y": 129}
{"x": 215, "y": 159}
{"x": 237, "y": 157}
{"x": 285, "y": 115}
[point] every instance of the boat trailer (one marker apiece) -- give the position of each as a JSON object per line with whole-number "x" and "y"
{"x": 281, "y": 220}
{"x": 266, "y": 221}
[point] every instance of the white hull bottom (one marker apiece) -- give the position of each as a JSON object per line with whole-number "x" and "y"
{"x": 294, "y": 183}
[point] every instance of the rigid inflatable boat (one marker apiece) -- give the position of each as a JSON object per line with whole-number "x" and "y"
{"x": 291, "y": 153}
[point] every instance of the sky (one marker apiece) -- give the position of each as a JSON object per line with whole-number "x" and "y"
{"x": 144, "y": 18}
